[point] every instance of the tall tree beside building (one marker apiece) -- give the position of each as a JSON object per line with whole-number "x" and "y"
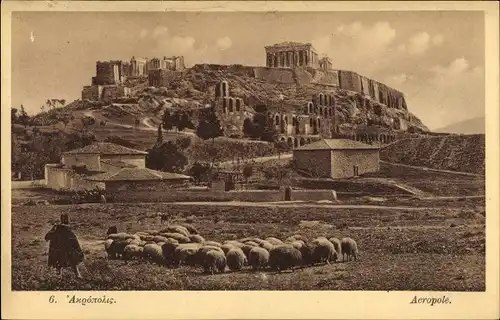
{"x": 166, "y": 157}
{"x": 24, "y": 119}
{"x": 183, "y": 121}
{"x": 209, "y": 126}
{"x": 159, "y": 139}
{"x": 168, "y": 123}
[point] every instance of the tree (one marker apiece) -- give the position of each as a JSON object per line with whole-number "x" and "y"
{"x": 167, "y": 120}
{"x": 166, "y": 157}
{"x": 248, "y": 128}
{"x": 183, "y": 143}
{"x": 159, "y": 139}
{"x": 209, "y": 126}
{"x": 247, "y": 172}
{"x": 199, "y": 171}
{"x": 13, "y": 115}
{"x": 24, "y": 119}
{"x": 269, "y": 132}
{"x": 67, "y": 118}
{"x": 183, "y": 121}
{"x": 86, "y": 122}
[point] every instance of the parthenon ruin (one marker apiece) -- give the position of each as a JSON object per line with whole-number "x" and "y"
{"x": 291, "y": 55}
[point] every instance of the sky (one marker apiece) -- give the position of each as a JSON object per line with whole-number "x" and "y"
{"x": 436, "y": 58}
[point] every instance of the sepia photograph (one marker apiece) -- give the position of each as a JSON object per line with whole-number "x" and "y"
{"x": 259, "y": 150}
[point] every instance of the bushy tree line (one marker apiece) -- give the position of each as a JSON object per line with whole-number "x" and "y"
{"x": 30, "y": 156}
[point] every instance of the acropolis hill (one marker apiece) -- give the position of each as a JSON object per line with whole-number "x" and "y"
{"x": 294, "y": 83}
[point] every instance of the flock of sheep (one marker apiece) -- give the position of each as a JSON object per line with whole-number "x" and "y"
{"x": 181, "y": 244}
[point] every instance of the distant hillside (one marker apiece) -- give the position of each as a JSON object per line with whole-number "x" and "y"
{"x": 455, "y": 152}
{"x": 469, "y": 126}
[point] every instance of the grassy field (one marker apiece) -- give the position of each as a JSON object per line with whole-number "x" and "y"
{"x": 432, "y": 248}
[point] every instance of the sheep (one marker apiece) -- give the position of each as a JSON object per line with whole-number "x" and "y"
{"x": 176, "y": 229}
{"x": 177, "y": 236}
{"x": 215, "y": 261}
{"x": 168, "y": 251}
{"x": 337, "y": 244}
{"x": 284, "y": 257}
{"x": 296, "y": 237}
{"x": 297, "y": 244}
{"x": 172, "y": 240}
{"x": 274, "y": 241}
{"x": 153, "y": 253}
{"x": 151, "y": 232}
{"x": 159, "y": 239}
{"x": 146, "y": 237}
{"x": 252, "y": 243}
{"x": 112, "y": 230}
{"x": 234, "y": 243}
{"x": 266, "y": 245}
{"x": 189, "y": 228}
{"x": 227, "y": 246}
{"x": 116, "y": 247}
{"x": 134, "y": 241}
{"x": 253, "y": 239}
{"x": 307, "y": 254}
{"x": 258, "y": 258}
{"x": 196, "y": 238}
{"x": 246, "y": 249}
{"x": 107, "y": 245}
{"x": 122, "y": 236}
{"x": 212, "y": 243}
{"x": 349, "y": 248}
{"x": 236, "y": 259}
{"x": 186, "y": 254}
{"x": 132, "y": 251}
{"x": 323, "y": 251}
{"x": 202, "y": 251}
{"x": 164, "y": 217}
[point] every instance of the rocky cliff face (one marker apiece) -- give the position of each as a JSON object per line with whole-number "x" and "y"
{"x": 258, "y": 85}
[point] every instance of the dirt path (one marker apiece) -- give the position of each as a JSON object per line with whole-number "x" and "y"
{"x": 433, "y": 170}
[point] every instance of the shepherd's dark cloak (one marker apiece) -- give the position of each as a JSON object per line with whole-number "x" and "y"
{"x": 64, "y": 248}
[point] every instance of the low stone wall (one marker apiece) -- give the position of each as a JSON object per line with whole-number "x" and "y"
{"x": 257, "y": 195}
{"x": 314, "y": 195}
{"x": 219, "y": 196}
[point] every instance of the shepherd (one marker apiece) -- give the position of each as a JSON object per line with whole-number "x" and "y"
{"x": 64, "y": 248}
